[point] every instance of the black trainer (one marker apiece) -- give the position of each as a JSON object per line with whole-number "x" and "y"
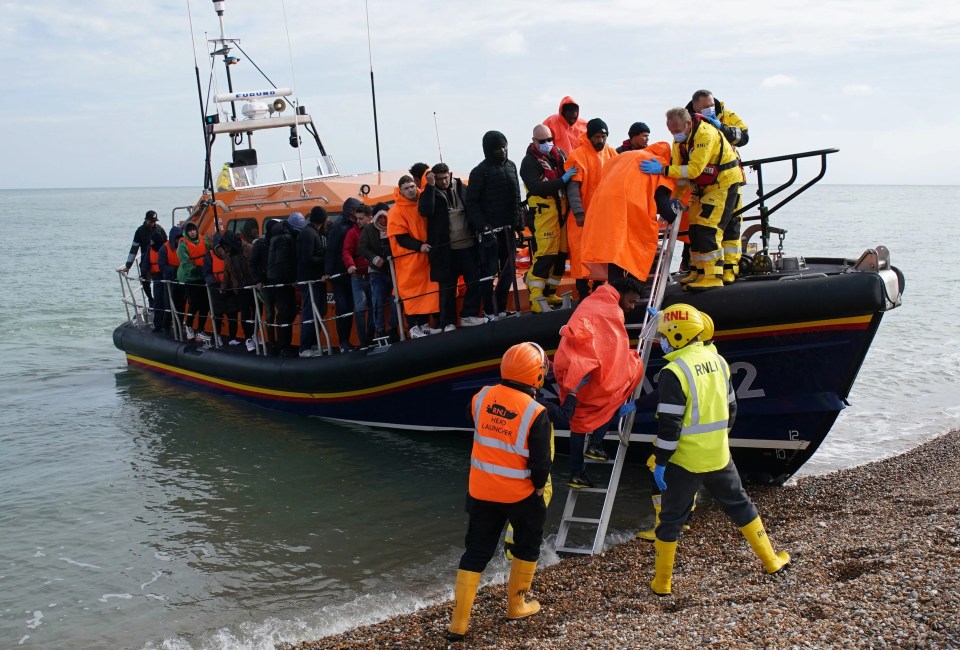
{"x": 596, "y": 452}
{"x": 582, "y": 481}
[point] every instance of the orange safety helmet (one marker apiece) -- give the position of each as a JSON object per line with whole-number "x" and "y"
{"x": 525, "y": 363}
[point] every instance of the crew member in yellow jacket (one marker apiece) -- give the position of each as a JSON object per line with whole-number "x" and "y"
{"x": 702, "y": 156}
{"x": 737, "y": 134}
{"x": 696, "y": 408}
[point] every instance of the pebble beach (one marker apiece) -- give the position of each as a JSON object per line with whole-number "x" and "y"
{"x": 875, "y": 564}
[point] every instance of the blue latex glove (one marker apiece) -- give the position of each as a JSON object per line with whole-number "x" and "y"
{"x": 658, "y": 471}
{"x": 651, "y": 167}
{"x": 567, "y": 175}
{"x": 627, "y": 408}
{"x": 714, "y": 121}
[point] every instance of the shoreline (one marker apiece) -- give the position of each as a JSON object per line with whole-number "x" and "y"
{"x": 875, "y": 561}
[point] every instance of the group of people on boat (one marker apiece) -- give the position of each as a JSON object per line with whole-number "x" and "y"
{"x": 512, "y": 450}
{"x": 447, "y": 239}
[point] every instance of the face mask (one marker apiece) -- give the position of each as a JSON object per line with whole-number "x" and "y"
{"x": 545, "y": 148}
{"x": 665, "y": 346}
{"x": 709, "y": 111}
{"x": 680, "y": 138}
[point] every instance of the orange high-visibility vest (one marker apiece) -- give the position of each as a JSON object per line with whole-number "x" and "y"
{"x": 196, "y": 251}
{"x": 154, "y": 261}
{"x": 502, "y": 419}
{"x": 216, "y": 264}
{"x": 172, "y": 258}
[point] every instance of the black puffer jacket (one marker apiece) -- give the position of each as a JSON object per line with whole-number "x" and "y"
{"x": 311, "y": 250}
{"x": 282, "y": 259}
{"x": 434, "y": 206}
{"x": 260, "y": 253}
{"x": 338, "y": 232}
{"x": 493, "y": 191}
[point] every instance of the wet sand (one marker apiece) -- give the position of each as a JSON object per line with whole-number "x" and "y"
{"x": 876, "y": 564}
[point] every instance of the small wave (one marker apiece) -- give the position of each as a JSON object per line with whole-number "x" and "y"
{"x": 80, "y": 564}
{"x": 35, "y": 622}
{"x": 105, "y": 597}
{"x": 156, "y": 576}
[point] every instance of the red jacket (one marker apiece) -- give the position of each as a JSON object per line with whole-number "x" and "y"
{"x": 350, "y": 255}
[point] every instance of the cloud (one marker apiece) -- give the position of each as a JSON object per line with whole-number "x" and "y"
{"x": 510, "y": 43}
{"x": 857, "y": 90}
{"x": 826, "y": 118}
{"x": 779, "y": 81}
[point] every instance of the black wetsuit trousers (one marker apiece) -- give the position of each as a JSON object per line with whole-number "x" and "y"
{"x": 678, "y": 499}
{"x": 487, "y": 519}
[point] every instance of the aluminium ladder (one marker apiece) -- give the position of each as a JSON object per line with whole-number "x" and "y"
{"x": 668, "y": 238}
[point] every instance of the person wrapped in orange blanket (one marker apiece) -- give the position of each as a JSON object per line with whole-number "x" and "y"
{"x": 622, "y": 229}
{"x": 595, "y": 357}
{"x": 407, "y": 231}
{"x": 588, "y": 160}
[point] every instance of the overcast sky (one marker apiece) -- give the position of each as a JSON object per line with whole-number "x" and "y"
{"x": 102, "y": 93}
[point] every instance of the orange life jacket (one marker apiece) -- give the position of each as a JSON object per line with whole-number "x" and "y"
{"x": 196, "y": 251}
{"x": 216, "y": 264}
{"x": 502, "y": 418}
{"x": 154, "y": 261}
{"x": 172, "y": 258}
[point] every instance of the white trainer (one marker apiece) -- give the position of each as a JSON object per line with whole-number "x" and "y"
{"x": 416, "y": 332}
{"x": 449, "y": 328}
{"x": 472, "y": 321}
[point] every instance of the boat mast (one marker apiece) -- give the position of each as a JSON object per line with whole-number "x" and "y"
{"x": 227, "y": 62}
{"x": 373, "y": 90}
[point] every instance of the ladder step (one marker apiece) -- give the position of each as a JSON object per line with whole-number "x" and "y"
{"x": 582, "y": 520}
{"x": 574, "y": 549}
{"x": 591, "y": 490}
{"x": 598, "y": 462}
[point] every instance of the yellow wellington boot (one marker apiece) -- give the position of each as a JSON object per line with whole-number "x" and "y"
{"x": 710, "y": 277}
{"x": 535, "y": 287}
{"x": 463, "y": 595}
{"x": 692, "y": 276}
{"x": 662, "y": 582}
{"x": 521, "y": 577}
{"x": 551, "y": 292}
{"x": 651, "y": 535}
{"x": 760, "y": 543}
{"x": 729, "y": 276}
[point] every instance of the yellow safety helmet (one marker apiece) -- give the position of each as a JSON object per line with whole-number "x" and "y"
{"x": 707, "y": 334}
{"x": 525, "y": 363}
{"x": 679, "y": 324}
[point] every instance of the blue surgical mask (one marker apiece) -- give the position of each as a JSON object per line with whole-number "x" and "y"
{"x": 680, "y": 138}
{"x": 709, "y": 111}
{"x": 545, "y": 148}
{"x": 665, "y": 346}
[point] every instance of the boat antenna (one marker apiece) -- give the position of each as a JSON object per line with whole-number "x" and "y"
{"x": 437, "y": 129}
{"x": 295, "y": 137}
{"x": 373, "y": 90}
{"x": 208, "y": 183}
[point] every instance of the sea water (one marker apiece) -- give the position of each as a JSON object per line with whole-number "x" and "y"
{"x": 137, "y": 514}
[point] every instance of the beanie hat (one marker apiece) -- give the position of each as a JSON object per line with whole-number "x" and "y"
{"x": 637, "y": 128}
{"x": 595, "y": 126}
{"x": 296, "y": 221}
{"x": 318, "y": 214}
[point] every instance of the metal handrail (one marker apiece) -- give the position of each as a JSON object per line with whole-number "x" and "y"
{"x": 259, "y": 325}
{"x": 762, "y": 197}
